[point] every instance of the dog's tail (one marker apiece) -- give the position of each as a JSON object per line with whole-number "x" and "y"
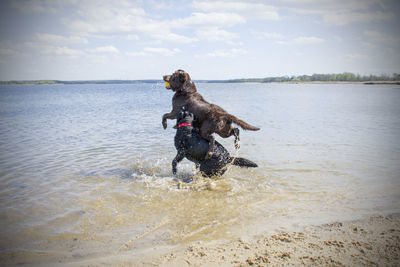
{"x": 242, "y": 162}
{"x": 243, "y": 124}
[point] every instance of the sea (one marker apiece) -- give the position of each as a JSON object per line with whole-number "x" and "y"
{"x": 85, "y": 170}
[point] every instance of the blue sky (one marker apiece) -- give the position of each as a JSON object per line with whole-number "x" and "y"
{"x": 120, "y": 39}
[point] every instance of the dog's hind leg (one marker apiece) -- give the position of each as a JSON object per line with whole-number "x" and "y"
{"x": 228, "y": 130}
{"x": 178, "y": 158}
{"x": 235, "y": 133}
{"x": 206, "y": 132}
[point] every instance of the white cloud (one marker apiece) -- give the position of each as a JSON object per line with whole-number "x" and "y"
{"x": 128, "y": 19}
{"x": 106, "y": 17}
{"x": 382, "y": 37}
{"x": 303, "y": 41}
{"x": 34, "y": 6}
{"x": 355, "y": 56}
{"x": 50, "y": 49}
{"x": 80, "y": 26}
{"x": 136, "y": 54}
{"x": 105, "y": 49}
{"x": 105, "y": 30}
{"x": 368, "y": 45}
{"x": 161, "y": 51}
{"x": 268, "y": 35}
{"x": 149, "y": 51}
{"x": 224, "y": 53}
{"x": 110, "y": 17}
{"x": 66, "y": 51}
{"x": 8, "y": 52}
{"x": 340, "y": 13}
{"x": 313, "y": 5}
{"x": 216, "y": 34}
{"x": 211, "y": 19}
{"x": 132, "y": 37}
{"x": 52, "y": 39}
{"x": 308, "y": 40}
{"x": 172, "y": 37}
{"x": 247, "y": 9}
{"x": 340, "y": 19}
{"x": 121, "y": 10}
{"x": 273, "y": 35}
{"x": 209, "y": 26}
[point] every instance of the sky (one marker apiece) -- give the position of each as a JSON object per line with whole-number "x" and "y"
{"x": 121, "y": 39}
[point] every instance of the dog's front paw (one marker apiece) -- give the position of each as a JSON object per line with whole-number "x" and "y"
{"x": 164, "y": 124}
{"x": 209, "y": 155}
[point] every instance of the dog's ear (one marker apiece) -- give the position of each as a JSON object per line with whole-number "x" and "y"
{"x": 182, "y": 77}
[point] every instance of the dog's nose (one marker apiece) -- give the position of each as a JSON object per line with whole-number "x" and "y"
{"x": 166, "y": 77}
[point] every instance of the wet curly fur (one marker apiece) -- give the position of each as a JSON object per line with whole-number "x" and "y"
{"x": 191, "y": 145}
{"x": 210, "y": 118}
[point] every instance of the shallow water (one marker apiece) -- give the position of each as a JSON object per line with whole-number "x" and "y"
{"x": 85, "y": 170}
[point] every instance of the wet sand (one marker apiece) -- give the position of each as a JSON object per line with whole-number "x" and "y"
{"x": 370, "y": 242}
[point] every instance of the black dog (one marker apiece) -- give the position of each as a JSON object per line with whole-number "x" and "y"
{"x": 190, "y": 144}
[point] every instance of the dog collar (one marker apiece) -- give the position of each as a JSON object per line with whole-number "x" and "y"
{"x": 184, "y": 124}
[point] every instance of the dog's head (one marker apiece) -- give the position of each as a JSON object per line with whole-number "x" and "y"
{"x": 184, "y": 116}
{"x": 179, "y": 81}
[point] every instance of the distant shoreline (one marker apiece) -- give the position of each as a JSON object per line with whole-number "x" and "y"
{"x": 344, "y": 82}
{"x": 339, "y": 78}
{"x": 57, "y": 82}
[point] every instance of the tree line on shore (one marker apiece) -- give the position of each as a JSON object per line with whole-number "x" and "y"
{"x": 55, "y": 82}
{"x": 341, "y": 77}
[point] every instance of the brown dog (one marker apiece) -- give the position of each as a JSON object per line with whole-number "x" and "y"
{"x": 209, "y": 118}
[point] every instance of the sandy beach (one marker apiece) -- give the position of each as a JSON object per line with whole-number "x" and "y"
{"x": 370, "y": 242}
{"x": 374, "y": 241}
